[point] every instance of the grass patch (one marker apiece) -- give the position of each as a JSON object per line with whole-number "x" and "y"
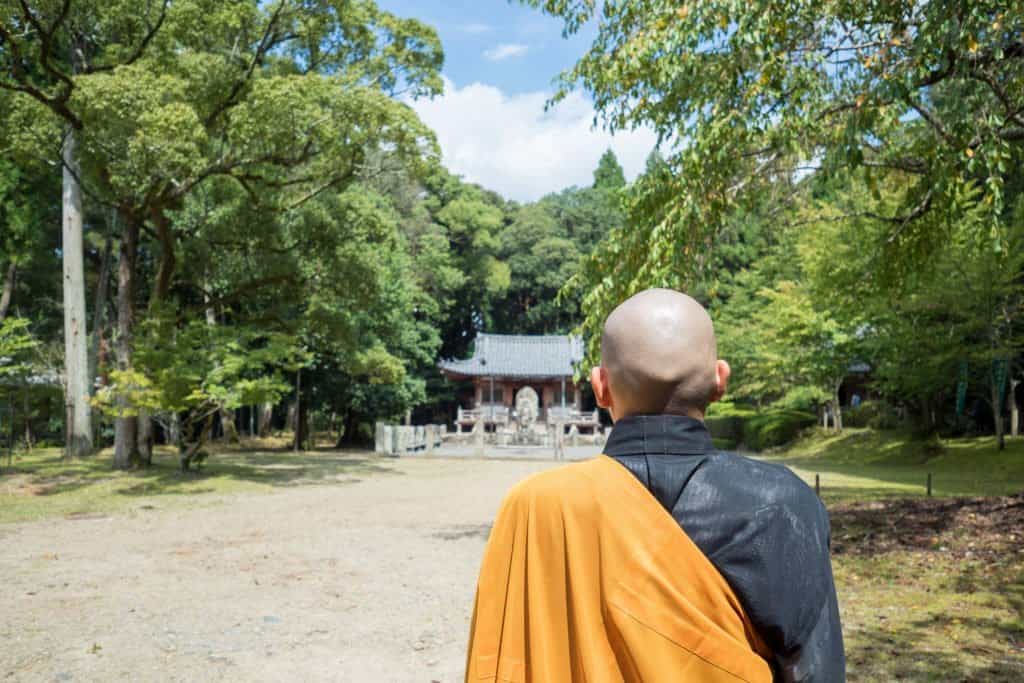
{"x": 864, "y": 464}
{"x": 922, "y": 616}
{"x": 41, "y": 484}
{"x": 931, "y": 589}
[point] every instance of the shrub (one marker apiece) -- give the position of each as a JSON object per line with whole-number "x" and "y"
{"x": 725, "y": 422}
{"x": 774, "y": 427}
{"x": 874, "y": 414}
{"x": 732, "y": 425}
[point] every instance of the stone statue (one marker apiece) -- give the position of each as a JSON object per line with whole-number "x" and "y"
{"x": 527, "y": 407}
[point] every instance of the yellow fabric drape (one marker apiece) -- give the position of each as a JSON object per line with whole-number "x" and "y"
{"x": 587, "y": 578}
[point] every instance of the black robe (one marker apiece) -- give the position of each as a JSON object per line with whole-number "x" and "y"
{"x": 761, "y": 526}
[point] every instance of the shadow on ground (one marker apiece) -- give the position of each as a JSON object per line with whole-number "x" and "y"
{"x": 275, "y": 468}
{"x": 933, "y": 590}
{"x": 906, "y": 658}
{"x": 962, "y": 527}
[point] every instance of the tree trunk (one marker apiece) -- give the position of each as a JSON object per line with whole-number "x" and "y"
{"x": 99, "y": 311}
{"x": 227, "y": 425}
{"x": 174, "y": 429}
{"x": 997, "y": 417}
{"x": 187, "y": 453}
{"x": 125, "y": 443}
{"x": 300, "y": 423}
{"x": 7, "y": 294}
{"x": 266, "y": 419}
{"x": 350, "y": 437}
{"x": 76, "y": 363}
{"x": 837, "y": 408}
{"x": 144, "y": 438}
{"x": 1014, "y": 410}
{"x": 27, "y": 413}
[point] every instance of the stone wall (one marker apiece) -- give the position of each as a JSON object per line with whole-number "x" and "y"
{"x": 397, "y": 440}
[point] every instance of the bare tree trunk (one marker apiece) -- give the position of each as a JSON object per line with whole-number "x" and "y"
{"x": 1014, "y": 410}
{"x": 76, "y": 363}
{"x": 227, "y": 425}
{"x": 29, "y": 437}
{"x": 99, "y": 310}
{"x": 7, "y": 294}
{"x": 299, "y": 422}
{"x": 266, "y": 419}
{"x": 174, "y": 429}
{"x": 997, "y": 417}
{"x": 125, "y": 428}
{"x": 144, "y": 438}
{"x": 837, "y": 408}
{"x": 188, "y": 453}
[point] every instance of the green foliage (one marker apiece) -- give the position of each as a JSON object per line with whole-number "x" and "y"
{"x": 197, "y": 369}
{"x": 725, "y": 421}
{"x": 756, "y": 430}
{"x": 16, "y": 347}
{"x": 777, "y": 427}
{"x": 873, "y": 414}
{"x": 609, "y": 174}
{"x": 750, "y": 99}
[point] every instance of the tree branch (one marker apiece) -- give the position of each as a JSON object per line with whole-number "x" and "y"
{"x": 143, "y": 44}
{"x": 265, "y": 44}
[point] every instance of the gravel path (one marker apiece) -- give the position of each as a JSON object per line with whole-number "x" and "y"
{"x": 370, "y": 580}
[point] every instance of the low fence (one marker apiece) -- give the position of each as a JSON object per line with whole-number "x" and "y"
{"x": 402, "y": 440}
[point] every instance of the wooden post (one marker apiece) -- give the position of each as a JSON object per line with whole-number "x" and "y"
{"x": 929, "y": 484}
{"x": 817, "y": 485}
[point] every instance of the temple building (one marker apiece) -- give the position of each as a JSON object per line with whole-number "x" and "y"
{"x": 502, "y": 366}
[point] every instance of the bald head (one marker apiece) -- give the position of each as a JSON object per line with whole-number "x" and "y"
{"x": 658, "y": 355}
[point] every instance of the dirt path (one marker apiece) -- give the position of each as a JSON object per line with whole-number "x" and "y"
{"x": 366, "y": 581}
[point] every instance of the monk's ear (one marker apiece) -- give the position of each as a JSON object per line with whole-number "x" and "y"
{"x": 599, "y": 381}
{"x": 722, "y": 372}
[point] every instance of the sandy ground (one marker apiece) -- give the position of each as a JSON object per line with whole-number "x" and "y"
{"x": 368, "y": 580}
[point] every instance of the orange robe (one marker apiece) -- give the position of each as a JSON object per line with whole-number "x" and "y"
{"x": 586, "y": 577}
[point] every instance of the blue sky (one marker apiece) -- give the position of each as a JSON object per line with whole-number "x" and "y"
{"x": 500, "y": 61}
{"x": 501, "y": 43}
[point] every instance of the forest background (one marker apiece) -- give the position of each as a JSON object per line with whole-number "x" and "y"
{"x": 220, "y": 216}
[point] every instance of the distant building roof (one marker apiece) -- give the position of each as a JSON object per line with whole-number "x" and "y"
{"x": 512, "y": 355}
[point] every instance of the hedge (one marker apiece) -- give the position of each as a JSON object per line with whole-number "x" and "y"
{"x": 731, "y": 425}
{"x": 874, "y": 414}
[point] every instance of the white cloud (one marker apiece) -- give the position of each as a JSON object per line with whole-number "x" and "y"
{"x": 508, "y": 143}
{"x": 506, "y": 51}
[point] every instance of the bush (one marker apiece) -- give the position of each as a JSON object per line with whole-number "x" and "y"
{"x": 724, "y": 444}
{"x": 874, "y": 414}
{"x": 731, "y": 425}
{"x": 775, "y": 427}
{"x": 725, "y": 422}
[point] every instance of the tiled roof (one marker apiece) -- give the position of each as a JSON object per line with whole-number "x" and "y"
{"x": 511, "y": 355}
